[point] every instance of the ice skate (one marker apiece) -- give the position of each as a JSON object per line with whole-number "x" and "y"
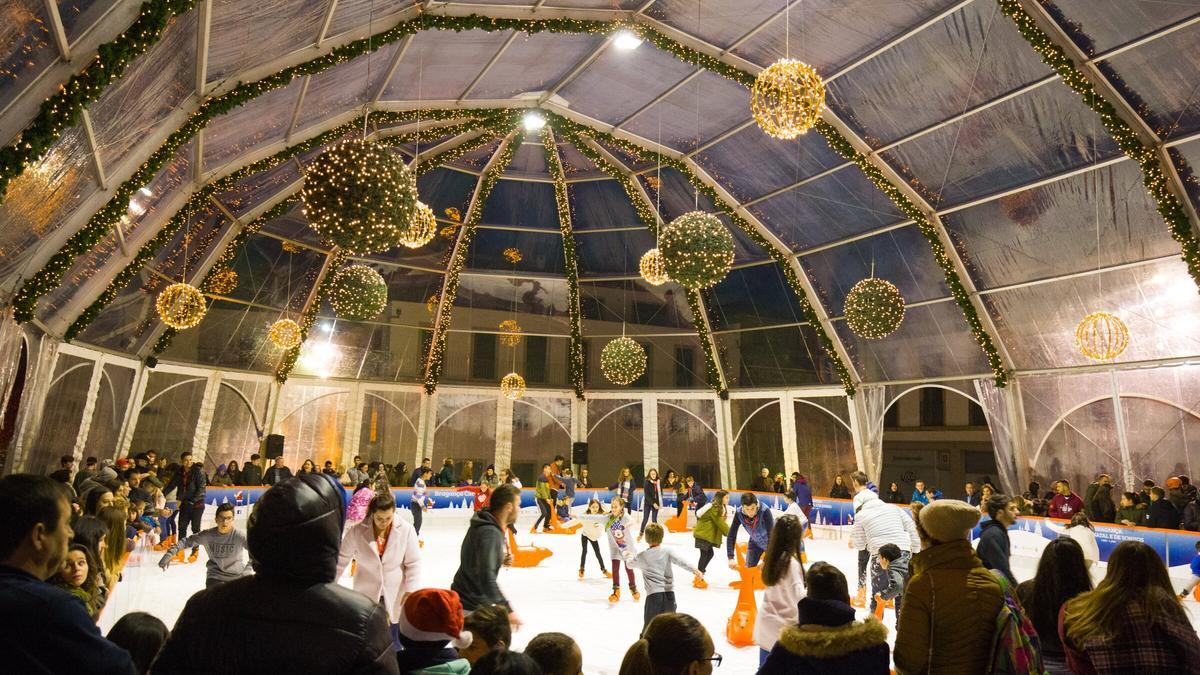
{"x": 699, "y": 583}
{"x": 616, "y": 594}
{"x": 636, "y": 596}
{"x": 580, "y": 572}
{"x": 194, "y": 556}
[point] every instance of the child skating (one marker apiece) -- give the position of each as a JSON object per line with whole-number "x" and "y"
{"x": 655, "y": 564}
{"x": 590, "y": 534}
{"x": 620, "y": 539}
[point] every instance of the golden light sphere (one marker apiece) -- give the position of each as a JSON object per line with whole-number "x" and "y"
{"x": 787, "y": 98}
{"x": 1101, "y": 336}
{"x": 874, "y": 308}
{"x": 653, "y": 268}
{"x": 512, "y": 386}
{"x": 223, "y": 282}
{"x": 421, "y": 229}
{"x": 623, "y": 361}
{"x": 285, "y": 334}
{"x": 181, "y": 306}
{"x": 512, "y": 333}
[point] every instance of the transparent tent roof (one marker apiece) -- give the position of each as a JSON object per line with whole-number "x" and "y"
{"x": 1045, "y": 217}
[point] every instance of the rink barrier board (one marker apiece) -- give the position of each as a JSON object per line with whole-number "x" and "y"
{"x": 1175, "y": 547}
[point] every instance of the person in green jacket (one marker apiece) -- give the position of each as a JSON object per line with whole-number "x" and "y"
{"x": 711, "y": 528}
{"x": 1130, "y": 514}
{"x": 446, "y": 477}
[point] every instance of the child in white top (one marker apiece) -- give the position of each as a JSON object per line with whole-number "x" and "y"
{"x": 783, "y": 574}
{"x": 590, "y": 534}
{"x": 620, "y": 540}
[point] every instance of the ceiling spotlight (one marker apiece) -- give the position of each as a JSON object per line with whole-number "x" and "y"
{"x": 626, "y": 40}
{"x": 533, "y": 121}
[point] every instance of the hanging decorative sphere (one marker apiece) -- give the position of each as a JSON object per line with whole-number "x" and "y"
{"x": 622, "y": 361}
{"x": 285, "y": 334}
{"x": 358, "y": 293}
{"x": 874, "y": 308}
{"x": 1101, "y": 336}
{"x": 421, "y": 229}
{"x": 431, "y": 303}
{"x": 181, "y": 306}
{"x": 511, "y": 330}
{"x": 787, "y": 98}
{"x": 360, "y": 196}
{"x": 653, "y": 267}
{"x": 697, "y": 249}
{"x": 223, "y": 282}
{"x": 512, "y": 386}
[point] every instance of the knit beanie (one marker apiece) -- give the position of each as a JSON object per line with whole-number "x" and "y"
{"x": 434, "y": 615}
{"x": 948, "y": 520}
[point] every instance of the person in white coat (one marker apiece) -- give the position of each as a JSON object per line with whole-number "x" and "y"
{"x": 877, "y": 523}
{"x": 387, "y": 555}
{"x": 783, "y": 575}
{"x": 1082, "y": 532}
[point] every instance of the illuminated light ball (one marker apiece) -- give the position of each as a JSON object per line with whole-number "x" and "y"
{"x": 1102, "y": 336}
{"x": 874, "y": 308}
{"x": 223, "y": 282}
{"x": 285, "y": 334}
{"x": 511, "y": 330}
{"x": 431, "y": 303}
{"x": 360, "y": 196}
{"x": 623, "y": 361}
{"x": 697, "y": 249}
{"x": 654, "y": 268}
{"x": 421, "y": 229}
{"x": 358, "y": 293}
{"x": 181, "y": 306}
{"x": 787, "y": 98}
{"x": 512, "y": 386}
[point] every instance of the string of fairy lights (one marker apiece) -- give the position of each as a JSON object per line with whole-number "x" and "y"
{"x": 786, "y": 100}
{"x": 575, "y": 349}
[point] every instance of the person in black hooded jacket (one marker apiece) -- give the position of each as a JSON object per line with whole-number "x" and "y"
{"x": 290, "y": 616}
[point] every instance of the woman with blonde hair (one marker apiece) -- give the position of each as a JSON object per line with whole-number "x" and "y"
{"x": 1132, "y": 622}
{"x": 114, "y": 517}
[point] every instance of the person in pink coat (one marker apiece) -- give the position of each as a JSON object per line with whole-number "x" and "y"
{"x": 387, "y": 554}
{"x": 356, "y": 511}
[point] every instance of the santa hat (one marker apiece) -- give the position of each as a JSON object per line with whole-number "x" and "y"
{"x": 434, "y": 615}
{"x": 947, "y": 520}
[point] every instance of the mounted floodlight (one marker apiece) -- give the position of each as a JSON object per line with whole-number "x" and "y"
{"x": 626, "y": 40}
{"x": 533, "y": 121}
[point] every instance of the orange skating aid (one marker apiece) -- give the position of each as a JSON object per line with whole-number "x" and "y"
{"x": 526, "y": 556}
{"x": 353, "y": 567}
{"x": 678, "y": 522}
{"x": 556, "y": 526}
{"x": 753, "y": 574}
{"x": 879, "y": 607}
{"x": 860, "y": 600}
{"x": 739, "y": 630}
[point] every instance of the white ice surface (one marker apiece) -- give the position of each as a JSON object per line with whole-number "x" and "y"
{"x": 550, "y": 597}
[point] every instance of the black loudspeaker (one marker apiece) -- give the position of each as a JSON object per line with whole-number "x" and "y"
{"x": 151, "y": 362}
{"x": 274, "y": 446}
{"x": 579, "y": 452}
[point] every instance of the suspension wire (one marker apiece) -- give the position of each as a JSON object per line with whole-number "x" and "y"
{"x": 367, "y": 82}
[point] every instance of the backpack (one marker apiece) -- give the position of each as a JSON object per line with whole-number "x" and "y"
{"x": 1016, "y": 649}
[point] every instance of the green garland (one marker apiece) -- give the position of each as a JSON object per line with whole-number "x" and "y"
{"x": 62, "y": 110}
{"x": 1154, "y": 176}
{"x": 226, "y": 259}
{"x": 309, "y": 316}
{"x": 194, "y": 203}
{"x": 458, "y": 260}
{"x": 554, "y": 162}
{"x": 650, "y": 219}
{"x": 741, "y": 223}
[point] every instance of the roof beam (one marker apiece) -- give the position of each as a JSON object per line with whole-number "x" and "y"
{"x": 94, "y": 147}
{"x": 323, "y": 32}
{"x": 296, "y": 109}
{"x": 57, "y": 30}
{"x": 326, "y": 268}
{"x": 405, "y": 43}
{"x": 203, "y": 30}
{"x": 491, "y": 62}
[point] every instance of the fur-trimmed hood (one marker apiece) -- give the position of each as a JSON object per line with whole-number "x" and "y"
{"x": 831, "y": 642}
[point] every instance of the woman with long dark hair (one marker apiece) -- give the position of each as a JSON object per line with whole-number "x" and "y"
{"x": 1061, "y": 575}
{"x": 387, "y": 554}
{"x": 709, "y": 533}
{"x": 1132, "y": 622}
{"x": 783, "y": 575}
{"x": 651, "y": 500}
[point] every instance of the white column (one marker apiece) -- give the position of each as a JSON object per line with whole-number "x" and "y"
{"x": 208, "y": 407}
{"x": 89, "y": 410}
{"x": 426, "y": 426}
{"x": 37, "y": 386}
{"x": 1016, "y": 419}
{"x": 354, "y": 419}
{"x": 140, "y": 380}
{"x": 504, "y": 429}
{"x": 725, "y": 444}
{"x": 649, "y": 432}
{"x": 787, "y": 427}
{"x": 856, "y": 433}
{"x": 1126, "y": 458}
{"x": 579, "y": 412}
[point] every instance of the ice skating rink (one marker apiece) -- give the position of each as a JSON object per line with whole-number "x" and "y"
{"x": 550, "y": 597}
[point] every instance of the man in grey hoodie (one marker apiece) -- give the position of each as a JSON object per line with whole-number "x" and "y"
{"x": 483, "y": 552}
{"x": 225, "y": 545}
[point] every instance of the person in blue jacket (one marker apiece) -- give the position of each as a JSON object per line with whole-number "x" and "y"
{"x": 1195, "y": 574}
{"x": 758, "y": 522}
{"x": 803, "y": 492}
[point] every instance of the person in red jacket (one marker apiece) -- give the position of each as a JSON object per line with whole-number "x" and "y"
{"x": 1066, "y": 503}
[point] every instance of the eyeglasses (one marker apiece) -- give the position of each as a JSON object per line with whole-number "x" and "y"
{"x": 716, "y": 659}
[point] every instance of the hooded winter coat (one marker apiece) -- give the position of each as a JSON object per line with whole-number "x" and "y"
{"x": 827, "y": 640}
{"x": 479, "y": 562}
{"x": 254, "y": 624}
{"x": 390, "y": 576}
{"x": 1098, "y": 503}
{"x": 711, "y": 526}
{"x": 950, "y": 609}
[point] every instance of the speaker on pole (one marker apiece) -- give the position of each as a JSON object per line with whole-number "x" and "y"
{"x": 274, "y": 446}
{"x": 579, "y": 453}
